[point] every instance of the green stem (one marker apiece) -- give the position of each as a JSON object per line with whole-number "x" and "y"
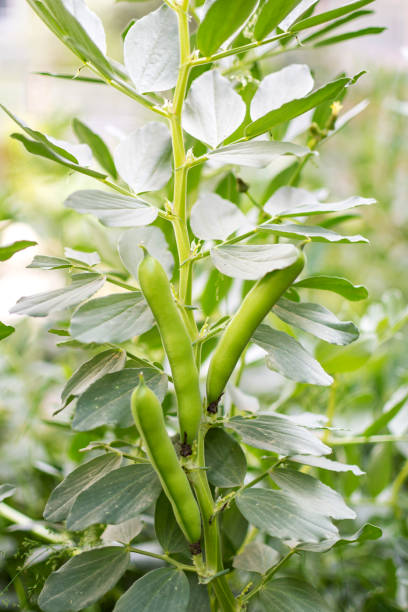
{"x": 266, "y": 577}
{"x": 166, "y": 558}
{"x": 14, "y": 516}
{"x": 213, "y": 58}
{"x": 365, "y": 440}
{"x": 398, "y": 482}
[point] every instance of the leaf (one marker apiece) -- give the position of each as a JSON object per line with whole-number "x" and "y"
{"x": 37, "y": 148}
{"x": 252, "y": 261}
{"x": 271, "y": 13}
{"x": 161, "y": 590}
{"x": 97, "y": 146}
{"x": 86, "y": 257}
{"x": 112, "y": 210}
{"x": 213, "y": 109}
{"x": 116, "y": 497}
{"x": 336, "y": 284}
{"x": 294, "y": 202}
{"x": 349, "y": 35}
{"x": 256, "y": 153}
{"x": 89, "y": 21}
{"x": 6, "y": 330}
{"x": 311, "y": 232}
{"x": 112, "y": 318}
{"x": 316, "y": 320}
{"x": 224, "y": 458}
{"x": 214, "y": 218}
{"x": 366, "y": 532}
{"x": 221, "y": 21}
{"x": 287, "y": 594}
{"x": 143, "y": 158}
{"x": 6, "y": 490}
{"x": 278, "y": 88}
{"x": 107, "y": 401}
{"x": 277, "y": 514}
{"x": 155, "y": 243}
{"x": 296, "y": 107}
{"x": 111, "y": 360}
{"x": 305, "y": 7}
{"x": 286, "y": 356}
{"x": 151, "y": 51}
{"x": 199, "y": 598}
{"x": 64, "y": 495}
{"x": 168, "y": 533}
{"x": 390, "y": 410}
{"x": 278, "y": 434}
{"x": 42, "y": 304}
{"x": 83, "y": 579}
{"x": 44, "y": 262}
{"x": 320, "y": 18}
{"x": 312, "y": 494}
{"x": 326, "y": 464}
{"x": 256, "y": 557}
{"x": 123, "y": 533}
{"x": 333, "y": 25}
{"x": 9, "y": 250}
{"x": 347, "y": 358}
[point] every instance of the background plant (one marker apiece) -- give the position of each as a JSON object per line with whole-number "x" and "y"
{"x": 388, "y": 322}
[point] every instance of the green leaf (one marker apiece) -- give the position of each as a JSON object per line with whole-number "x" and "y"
{"x": 286, "y": 356}
{"x": 6, "y": 490}
{"x": 64, "y": 495}
{"x": 336, "y": 24}
{"x": 278, "y": 88}
{"x": 312, "y": 494}
{"x": 293, "y": 202}
{"x": 366, "y": 532}
{"x": 107, "y": 400}
{"x": 224, "y": 458}
{"x": 37, "y": 148}
{"x": 213, "y": 109}
{"x": 71, "y": 77}
{"x": 256, "y": 153}
{"x": 326, "y": 464}
{"x": 161, "y": 590}
{"x": 103, "y": 363}
{"x": 97, "y": 146}
{"x": 44, "y": 262}
{"x": 277, "y": 514}
{"x": 222, "y": 20}
{"x": 336, "y": 284}
{"x": 143, "y": 158}
{"x": 42, "y": 304}
{"x": 349, "y": 35}
{"x": 89, "y": 258}
{"x": 380, "y": 468}
{"x": 271, "y": 13}
{"x": 295, "y": 108}
{"x": 83, "y": 579}
{"x": 278, "y": 434}
{"x": 390, "y": 410}
{"x": 316, "y": 320}
{"x": 252, "y": 261}
{"x": 287, "y": 594}
{"x": 320, "y": 18}
{"x": 154, "y": 242}
{"x": 6, "y": 330}
{"x": 168, "y": 533}
{"x": 256, "y": 557}
{"x": 112, "y": 210}
{"x": 112, "y": 318}
{"x": 123, "y": 533}
{"x": 213, "y": 218}
{"x": 199, "y": 599}
{"x": 347, "y": 358}
{"x": 151, "y": 51}
{"x": 9, "y": 250}
{"x": 311, "y": 232}
{"x": 116, "y": 497}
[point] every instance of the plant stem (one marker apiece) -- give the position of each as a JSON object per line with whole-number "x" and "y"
{"x": 398, "y": 482}
{"x": 266, "y": 577}
{"x": 365, "y": 440}
{"x": 35, "y": 527}
{"x": 166, "y": 558}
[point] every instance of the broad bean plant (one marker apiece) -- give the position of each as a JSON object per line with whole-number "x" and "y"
{"x": 196, "y": 340}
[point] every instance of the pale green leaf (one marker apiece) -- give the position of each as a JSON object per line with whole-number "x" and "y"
{"x": 154, "y": 242}
{"x": 161, "y": 590}
{"x": 214, "y": 218}
{"x": 112, "y": 210}
{"x": 224, "y": 459}
{"x": 252, "y": 261}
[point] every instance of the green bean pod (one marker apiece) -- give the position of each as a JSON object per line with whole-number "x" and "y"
{"x": 148, "y": 416}
{"x": 178, "y": 346}
{"x": 256, "y": 305}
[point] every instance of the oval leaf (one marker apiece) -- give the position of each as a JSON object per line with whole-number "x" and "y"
{"x": 153, "y": 240}
{"x": 83, "y": 579}
{"x": 169, "y": 534}
{"x": 256, "y": 153}
{"x": 162, "y": 590}
{"x": 224, "y": 459}
{"x": 252, "y": 261}
{"x": 112, "y": 318}
{"x": 336, "y": 284}
{"x": 213, "y": 109}
{"x": 107, "y": 401}
{"x": 112, "y": 210}
{"x": 213, "y": 218}
{"x": 288, "y": 594}
{"x": 115, "y": 498}
{"x": 256, "y": 557}
{"x": 311, "y": 232}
